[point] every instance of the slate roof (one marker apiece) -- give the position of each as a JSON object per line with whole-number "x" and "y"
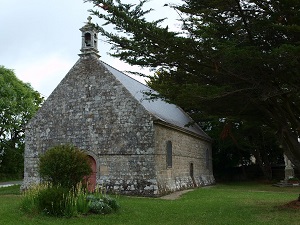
{"x": 163, "y": 111}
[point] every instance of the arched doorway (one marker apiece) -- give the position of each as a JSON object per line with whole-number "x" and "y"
{"x": 91, "y": 179}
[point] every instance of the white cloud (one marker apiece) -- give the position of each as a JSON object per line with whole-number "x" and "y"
{"x": 44, "y": 73}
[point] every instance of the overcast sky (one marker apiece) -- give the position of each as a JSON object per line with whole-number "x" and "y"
{"x": 40, "y": 39}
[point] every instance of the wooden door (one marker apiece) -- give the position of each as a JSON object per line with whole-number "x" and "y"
{"x": 91, "y": 179}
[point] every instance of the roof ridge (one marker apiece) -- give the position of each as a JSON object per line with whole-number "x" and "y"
{"x": 126, "y": 75}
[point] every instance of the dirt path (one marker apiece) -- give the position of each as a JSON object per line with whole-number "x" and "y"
{"x": 175, "y": 195}
{"x": 10, "y": 183}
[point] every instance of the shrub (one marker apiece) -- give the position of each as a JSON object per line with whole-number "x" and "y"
{"x": 102, "y": 204}
{"x": 100, "y": 207}
{"x": 53, "y": 201}
{"x": 64, "y": 165}
{"x": 92, "y": 198}
{"x": 111, "y": 202}
{"x": 60, "y": 201}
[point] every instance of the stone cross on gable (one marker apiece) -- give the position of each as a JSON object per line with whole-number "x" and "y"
{"x": 89, "y": 19}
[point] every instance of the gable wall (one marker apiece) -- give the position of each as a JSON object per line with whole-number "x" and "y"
{"x": 93, "y": 111}
{"x": 186, "y": 149}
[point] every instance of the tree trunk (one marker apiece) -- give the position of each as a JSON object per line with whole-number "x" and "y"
{"x": 291, "y": 145}
{"x": 263, "y": 162}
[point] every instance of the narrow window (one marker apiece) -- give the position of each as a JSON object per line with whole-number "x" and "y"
{"x": 169, "y": 154}
{"x": 207, "y": 157}
{"x": 192, "y": 174}
{"x": 87, "y": 39}
{"x": 192, "y": 170}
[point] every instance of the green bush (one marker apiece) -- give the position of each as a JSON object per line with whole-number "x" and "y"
{"x": 64, "y": 165}
{"x": 100, "y": 207}
{"x": 111, "y": 202}
{"x": 60, "y": 201}
{"x": 53, "y": 201}
{"x": 102, "y": 204}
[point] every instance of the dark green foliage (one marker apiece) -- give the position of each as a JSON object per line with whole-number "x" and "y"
{"x": 64, "y": 165}
{"x": 235, "y": 144}
{"x": 233, "y": 59}
{"x": 12, "y": 163}
{"x": 53, "y": 200}
{"x": 18, "y": 104}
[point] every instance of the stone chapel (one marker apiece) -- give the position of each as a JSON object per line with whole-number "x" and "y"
{"x": 136, "y": 146}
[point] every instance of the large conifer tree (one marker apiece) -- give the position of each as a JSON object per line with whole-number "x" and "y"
{"x": 233, "y": 59}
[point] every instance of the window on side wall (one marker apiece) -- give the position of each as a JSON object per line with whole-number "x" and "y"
{"x": 207, "y": 157}
{"x": 169, "y": 154}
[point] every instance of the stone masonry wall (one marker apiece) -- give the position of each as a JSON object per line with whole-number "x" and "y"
{"x": 186, "y": 149}
{"x": 93, "y": 111}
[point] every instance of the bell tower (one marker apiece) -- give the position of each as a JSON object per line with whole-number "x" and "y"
{"x": 89, "y": 46}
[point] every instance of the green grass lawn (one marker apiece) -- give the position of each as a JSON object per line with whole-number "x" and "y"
{"x": 238, "y": 203}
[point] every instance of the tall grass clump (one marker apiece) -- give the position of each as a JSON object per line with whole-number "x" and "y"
{"x": 61, "y": 202}
{"x": 29, "y": 203}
